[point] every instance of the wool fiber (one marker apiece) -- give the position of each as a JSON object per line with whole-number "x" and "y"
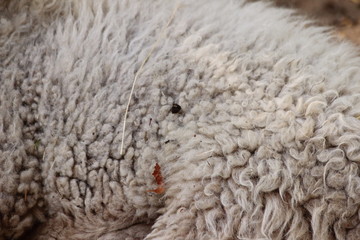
{"x": 265, "y": 146}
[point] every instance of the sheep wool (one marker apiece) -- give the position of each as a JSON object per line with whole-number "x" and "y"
{"x": 263, "y": 144}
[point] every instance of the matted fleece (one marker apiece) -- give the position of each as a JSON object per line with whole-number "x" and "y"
{"x": 248, "y": 113}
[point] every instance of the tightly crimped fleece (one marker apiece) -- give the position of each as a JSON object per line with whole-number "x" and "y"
{"x": 266, "y": 146}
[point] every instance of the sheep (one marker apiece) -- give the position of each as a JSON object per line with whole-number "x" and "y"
{"x": 251, "y": 112}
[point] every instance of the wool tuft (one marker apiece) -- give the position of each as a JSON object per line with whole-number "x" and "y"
{"x": 251, "y": 112}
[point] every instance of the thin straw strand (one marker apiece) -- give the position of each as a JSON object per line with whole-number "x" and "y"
{"x": 161, "y": 36}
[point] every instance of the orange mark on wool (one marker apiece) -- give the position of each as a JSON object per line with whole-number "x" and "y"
{"x": 158, "y": 190}
{"x": 158, "y": 179}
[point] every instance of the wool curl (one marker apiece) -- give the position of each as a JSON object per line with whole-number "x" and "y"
{"x": 266, "y": 145}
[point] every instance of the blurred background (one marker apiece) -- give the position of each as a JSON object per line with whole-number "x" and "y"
{"x": 344, "y": 15}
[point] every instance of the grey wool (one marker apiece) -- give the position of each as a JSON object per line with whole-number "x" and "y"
{"x": 263, "y": 141}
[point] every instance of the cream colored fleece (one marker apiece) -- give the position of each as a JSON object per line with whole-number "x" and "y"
{"x": 266, "y": 145}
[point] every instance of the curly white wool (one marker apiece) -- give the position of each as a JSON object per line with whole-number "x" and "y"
{"x": 265, "y": 147}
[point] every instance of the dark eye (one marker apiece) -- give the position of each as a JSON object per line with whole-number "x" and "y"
{"x": 175, "y": 108}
